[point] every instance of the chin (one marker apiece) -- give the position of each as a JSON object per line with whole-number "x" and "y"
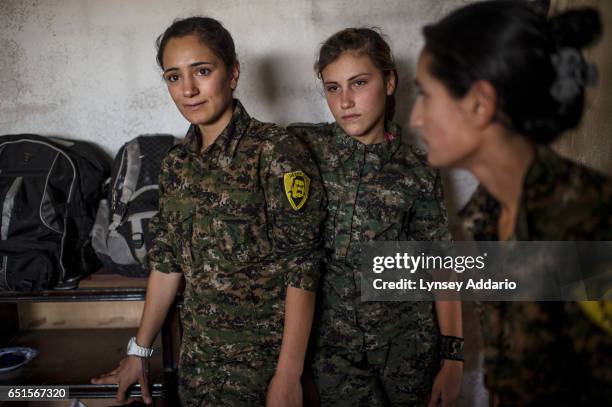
{"x": 197, "y": 118}
{"x": 432, "y": 163}
{"x": 354, "y": 131}
{"x": 436, "y": 161}
{"x": 190, "y": 117}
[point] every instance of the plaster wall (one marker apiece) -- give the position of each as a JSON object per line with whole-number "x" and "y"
{"x": 591, "y": 142}
{"x": 86, "y": 69}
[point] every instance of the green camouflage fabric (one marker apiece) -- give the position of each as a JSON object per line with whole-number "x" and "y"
{"x": 366, "y": 352}
{"x": 225, "y": 221}
{"x": 547, "y": 353}
{"x": 225, "y": 383}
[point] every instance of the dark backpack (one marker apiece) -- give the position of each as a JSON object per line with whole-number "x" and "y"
{"x": 49, "y": 191}
{"x": 121, "y": 236}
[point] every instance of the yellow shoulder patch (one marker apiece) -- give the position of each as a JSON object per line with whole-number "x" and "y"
{"x": 297, "y": 187}
{"x": 599, "y": 312}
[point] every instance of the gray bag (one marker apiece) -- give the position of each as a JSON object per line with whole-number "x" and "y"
{"x": 121, "y": 234}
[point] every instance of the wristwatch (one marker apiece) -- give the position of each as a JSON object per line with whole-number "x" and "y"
{"x": 133, "y": 349}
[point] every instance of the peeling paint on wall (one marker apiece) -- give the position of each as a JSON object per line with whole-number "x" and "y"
{"x": 87, "y": 70}
{"x": 10, "y": 85}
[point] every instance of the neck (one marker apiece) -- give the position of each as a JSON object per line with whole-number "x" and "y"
{"x": 501, "y": 167}
{"x": 211, "y": 131}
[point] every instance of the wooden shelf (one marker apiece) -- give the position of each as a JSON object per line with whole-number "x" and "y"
{"x": 71, "y": 357}
{"x": 100, "y": 286}
{"x": 99, "y": 294}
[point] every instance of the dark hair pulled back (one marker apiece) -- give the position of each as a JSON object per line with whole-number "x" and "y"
{"x": 512, "y": 46}
{"x": 209, "y": 31}
{"x": 368, "y": 41}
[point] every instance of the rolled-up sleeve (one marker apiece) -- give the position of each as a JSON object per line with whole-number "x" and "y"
{"x": 295, "y": 206}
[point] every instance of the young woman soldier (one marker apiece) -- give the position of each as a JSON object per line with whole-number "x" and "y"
{"x": 234, "y": 225}
{"x": 379, "y": 188}
{"x": 498, "y": 83}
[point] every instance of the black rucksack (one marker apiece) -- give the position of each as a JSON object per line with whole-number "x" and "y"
{"x": 121, "y": 236}
{"x": 49, "y": 192}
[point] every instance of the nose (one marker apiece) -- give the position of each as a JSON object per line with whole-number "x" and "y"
{"x": 416, "y": 116}
{"x": 189, "y": 87}
{"x": 346, "y": 100}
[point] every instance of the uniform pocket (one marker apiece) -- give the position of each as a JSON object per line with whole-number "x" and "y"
{"x": 239, "y": 240}
{"x": 388, "y": 225}
{"x": 239, "y": 227}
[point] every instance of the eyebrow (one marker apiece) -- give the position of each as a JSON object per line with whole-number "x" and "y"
{"x": 190, "y": 65}
{"x": 349, "y": 79}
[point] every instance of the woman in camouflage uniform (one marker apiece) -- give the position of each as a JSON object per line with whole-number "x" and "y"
{"x": 240, "y": 211}
{"x": 379, "y": 188}
{"x": 497, "y": 83}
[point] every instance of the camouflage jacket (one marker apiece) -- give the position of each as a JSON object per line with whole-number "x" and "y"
{"x": 242, "y": 221}
{"x": 545, "y": 352}
{"x": 375, "y": 192}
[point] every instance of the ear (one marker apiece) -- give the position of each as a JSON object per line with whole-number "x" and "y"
{"x": 482, "y": 103}
{"x": 391, "y": 82}
{"x": 235, "y": 75}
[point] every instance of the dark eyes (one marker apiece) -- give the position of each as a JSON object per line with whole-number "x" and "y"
{"x": 174, "y": 77}
{"x": 171, "y": 78}
{"x": 203, "y": 71}
{"x": 356, "y": 84}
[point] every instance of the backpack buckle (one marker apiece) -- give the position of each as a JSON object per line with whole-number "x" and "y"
{"x": 120, "y": 209}
{"x": 138, "y": 239}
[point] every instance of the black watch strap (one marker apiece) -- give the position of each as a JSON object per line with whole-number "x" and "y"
{"x": 451, "y": 347}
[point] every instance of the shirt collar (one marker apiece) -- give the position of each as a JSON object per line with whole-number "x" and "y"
{"x": 378, "y": 154}
{"x": 226, "y": 143}
{"x": 540, "y": 178}
{"x": 481, "y": 213}
{"x": 479, "y": 216}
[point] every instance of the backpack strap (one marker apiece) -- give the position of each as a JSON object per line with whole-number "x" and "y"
{"x": 7, "y": 207}
{"x": 132, "y": 172}
{"x": 138, "y": 237}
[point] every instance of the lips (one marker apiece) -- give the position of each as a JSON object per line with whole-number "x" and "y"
{"x": 350, "y": 117}
{"x": 193, "y": 106}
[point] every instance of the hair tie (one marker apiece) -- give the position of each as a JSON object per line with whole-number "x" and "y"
{"x": 573, "y": 73}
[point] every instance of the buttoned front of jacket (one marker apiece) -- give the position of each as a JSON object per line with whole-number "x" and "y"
{"x": 226, "y": 223}
{"x": 378, "y": 192}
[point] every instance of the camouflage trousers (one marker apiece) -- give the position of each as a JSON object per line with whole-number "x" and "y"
{"x": 393, "y": 375}
{"x": 224, "y": 384}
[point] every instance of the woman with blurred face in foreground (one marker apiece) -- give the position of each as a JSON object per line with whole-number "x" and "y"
{"x": 497, "y": 84}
